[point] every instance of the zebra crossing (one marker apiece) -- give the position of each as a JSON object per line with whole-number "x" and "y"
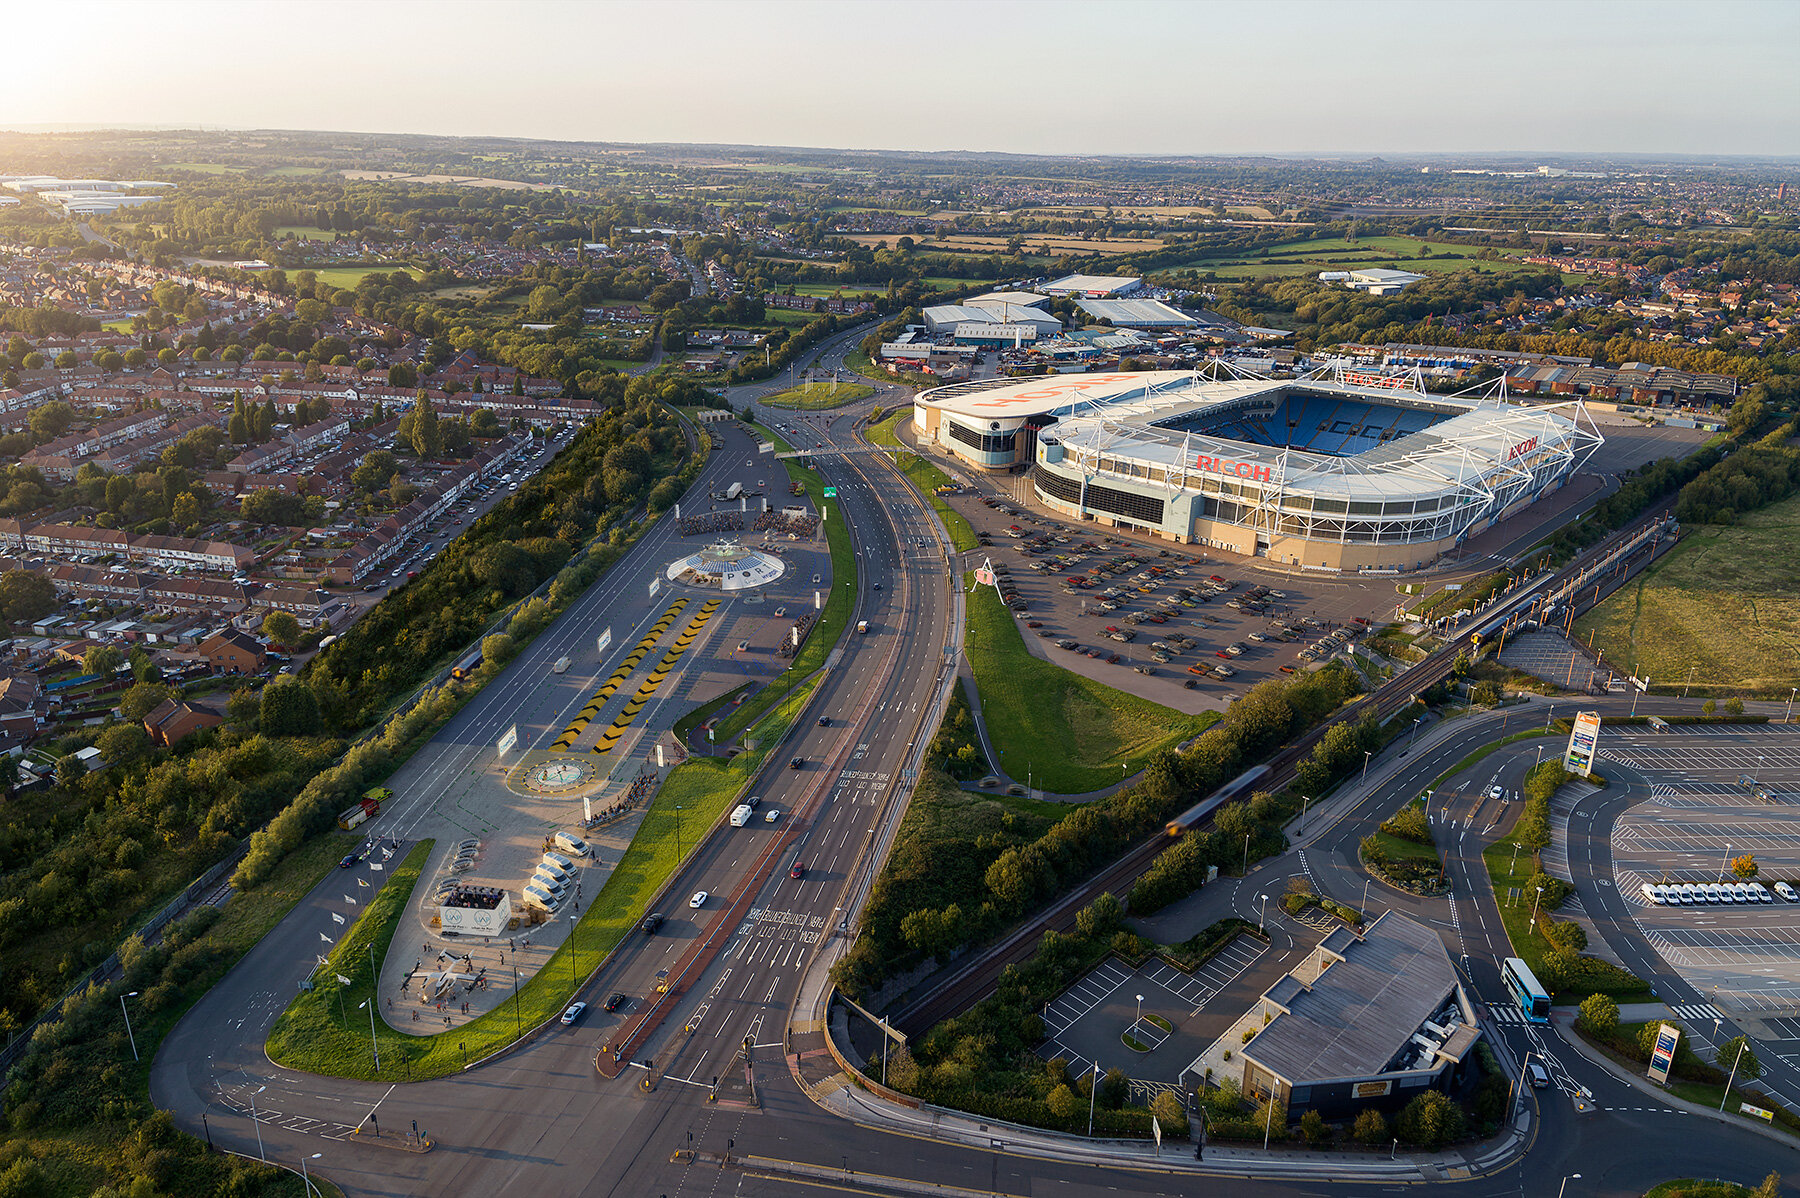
{"x": 1699, "y": 1012}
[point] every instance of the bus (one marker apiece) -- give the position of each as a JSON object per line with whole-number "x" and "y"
{"x": 1527, "y": 991}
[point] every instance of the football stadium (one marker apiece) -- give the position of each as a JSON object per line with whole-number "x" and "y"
{"x": 1340, "y": 470}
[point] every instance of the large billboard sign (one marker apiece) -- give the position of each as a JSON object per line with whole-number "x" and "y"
{"x": 1232, "y": 468}
{"x": 477, "y": 921}
{"x": 1579, "y": 758}
{"x": 1662, "y": 1057}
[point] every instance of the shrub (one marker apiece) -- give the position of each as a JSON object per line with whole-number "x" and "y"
{"x": 1599, "y": 1015}
{"x": 1370, "y": 1127}
{"x": 1409, "y": 823}
{"x": 1431, "y": 1120}
{"x": 1168, "y": 1109}
{"x": 1314, "y": 1128}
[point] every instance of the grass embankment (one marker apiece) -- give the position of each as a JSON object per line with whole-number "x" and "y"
{"x": 834, "y": 617}
{"x": 1070, "y": 733}
{"x": 1720, "y": 608}
{"x": 925, "y": 478}
{"x": 818, "y": 396}
{"x": 1508, "y": 871}
{"x": 310, "y": 1036}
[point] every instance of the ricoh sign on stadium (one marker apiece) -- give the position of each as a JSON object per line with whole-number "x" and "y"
{"x": 1338, "y": 471}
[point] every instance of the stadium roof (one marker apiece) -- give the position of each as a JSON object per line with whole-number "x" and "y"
{"x": 1096, "y": 285}
{"x": 1137, "y": 313}
{"x": 1377, "y": 274}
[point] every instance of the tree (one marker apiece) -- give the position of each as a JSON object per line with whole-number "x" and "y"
{"x": 70, "y": 770}
{"x": 1734, "y": 706}
{"x": 1708, "y": 707}
{"x": 102, "y": 660}
{"x": 497, "y": 649}
{"x": 282, "y": 628}
{"x": 1168, "y": 1109}
{"x": 25, "y": 596}
{"x": 1370, "y": 1127}
{"x": 1063, "y": 1104}
{"x": 1115, "y": 1088}
{"x": 1744, "y": 867}
{"x": 1312, "y": 1126}
{"x": 238, "y": 428}
{"x": 289, "y": 708}
{"x": 1600, "y": 1015}
{"x": 1770, "y": 1187}
{"x": 1748, "y": 1067}
{"x": 1431, "y": 1120}
{"x": 122, "y": 744}
{"x": 1100, "y": 917}
{"x": 49, "y": 421}
{"x": 141, "y": 700}
{"x": 427, "y": 438}
{"x": 185, "y": 511}
{"x": 266, "y": 505}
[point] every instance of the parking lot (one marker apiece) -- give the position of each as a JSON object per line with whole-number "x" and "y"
{"x": 1704, "y": 814}
{"x": 1085, "y": 1022}
{"x": 1196, "y": 633}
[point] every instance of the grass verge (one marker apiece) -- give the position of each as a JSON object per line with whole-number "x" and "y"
{"x": 925, "y": 478}
{"x": 819, "y": 396}
{"x": 1070, "y": 733}
{"x": 1509, "y": 871}
{"x": 311, "y": 1036}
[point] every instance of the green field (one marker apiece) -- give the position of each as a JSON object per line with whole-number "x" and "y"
{"x": 1068, "y": 732}
{"x": 348, "y": 277}
{"x": 926, "y": 478}
{"x": 283, "y": 171}
{"x": 305, "y": 233}
{"x": 819, "y": 396}
{"x": 1720, "y": 608}
{"x": 1332, "y": 253}
{"x": 205, "y": 168}
{"x": 118, "y": 326}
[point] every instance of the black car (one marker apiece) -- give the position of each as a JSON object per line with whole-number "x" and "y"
{"x": 349, "y": 860}
{"x": 824, "y": 721}
{"x": 796, "y": 763}
{"x": 651, "y": 922}
{"x": 615, "y": 1001}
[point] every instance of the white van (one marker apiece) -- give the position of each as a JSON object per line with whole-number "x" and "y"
{"x": 1714, "y": 892}
{"x": 572, "y": 844}
{"x": 1787, "y": 892}
{"x": 556, "y": 871}
{"x": 1653, "y": 893}
{"x": 537, "y": 896}
{"x": 550, "y": 882}
{"x": 560, "y": 861}
{"x": 1692, "y": 895}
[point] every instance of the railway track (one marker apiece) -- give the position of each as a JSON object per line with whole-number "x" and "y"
{"x": 962, "y": 989}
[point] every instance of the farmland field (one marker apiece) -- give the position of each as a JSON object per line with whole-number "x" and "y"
{"x": 1723, "y": 607}
{"x": 349, "y": 276}
{"x": 1332, "y": 253}
{"x": 305, "y": 233}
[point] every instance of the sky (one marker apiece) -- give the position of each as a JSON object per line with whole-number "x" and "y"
{"x": 1040, "y": 77}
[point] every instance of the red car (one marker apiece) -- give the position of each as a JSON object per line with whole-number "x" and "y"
{"x": 799, "y": 870}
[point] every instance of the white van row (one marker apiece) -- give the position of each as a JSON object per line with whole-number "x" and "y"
{"x": 1699, "y": 894}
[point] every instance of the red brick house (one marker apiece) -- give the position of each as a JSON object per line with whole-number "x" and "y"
{"x": 171, "y": 721}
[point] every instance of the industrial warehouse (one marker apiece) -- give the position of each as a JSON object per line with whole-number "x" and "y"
{"x": 1341, "y": 470}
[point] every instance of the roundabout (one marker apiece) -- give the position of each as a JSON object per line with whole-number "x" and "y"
{"x": 558, "y": 775}
{"x": 727, "y": 565}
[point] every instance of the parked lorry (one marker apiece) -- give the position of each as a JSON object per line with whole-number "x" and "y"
{"x": 366, "y": 808}
{"x": 733, "y": 491}
{"x": 740, "y": 815}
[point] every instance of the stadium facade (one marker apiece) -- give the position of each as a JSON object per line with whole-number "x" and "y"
{"x": 1337, "y": 471}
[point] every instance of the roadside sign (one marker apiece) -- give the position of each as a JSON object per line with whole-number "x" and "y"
{"x": 508, "y": 741}
{"x": 1757, "y": 1112}
{"x": 1579, "y": 757}
{"x": 603, "y": 640}
{"x": 1662, "y": 1057}
{"x": 831, "y": 492}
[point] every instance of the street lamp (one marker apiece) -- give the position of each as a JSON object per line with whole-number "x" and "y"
{"x": 127, "y": 1014}
{"x": 1093, "y": 1089}
{"x": 254, "y": 1119}
{"x": 1723, "y": 864}
{"x": 304, "y": 1175}
{"x": 1534, "y": 908}
{"x": 1262, "y": 911}
{"x": 1413, "y": 733}
{"x": 1792, "y": 691}
{"x": 1305, "y": 801}
{"x": 1246, "y": 854}
{"x": 1735, "y": 1062}
{"x": 1565, "y": 1184}
{"x": 678, "y": 833}
{"x": 1367, "y": 753}
{"x": 1140, "y": 1008}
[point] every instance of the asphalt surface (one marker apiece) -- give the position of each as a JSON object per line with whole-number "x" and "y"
{"x": 541, "y": 1120}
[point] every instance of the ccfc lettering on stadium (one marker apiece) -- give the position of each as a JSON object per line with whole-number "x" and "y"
{"x": 1249, "y": 470}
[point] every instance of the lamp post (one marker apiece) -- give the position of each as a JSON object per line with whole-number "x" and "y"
{"x": 1565, "y": 1184}
{"x": 1534, "y": 908}
{"x": 1093, "y": 1089}
{"x": 1305, "y": 802}
{"x": 1365, "y": 902}
{"x": 1723, "y": 864}
{"x": 1735, "y": 1062}
{"x": 127, "y": 1014}
{"x": 1262, "y": 912}
{"x": 678, "y": 833}
{"x": 374, "y": 1048}
{"x": 304, "y": 1175}
{"x": 254, "y": 1119}
{"x": 1788, "y": 717}
{"x": 1413, "y": 733}
{"x": 1367, "y": 753}
{"x": 1246, "y": 854}
{"x": 1140, "y": 1008}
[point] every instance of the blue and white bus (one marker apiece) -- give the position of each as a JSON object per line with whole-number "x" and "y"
{"x": 1527, "y": 991}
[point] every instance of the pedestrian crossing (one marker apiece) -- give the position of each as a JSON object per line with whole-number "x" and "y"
{"x": 1507, "y": 1014}
{"x": 1698, "y": 1011}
